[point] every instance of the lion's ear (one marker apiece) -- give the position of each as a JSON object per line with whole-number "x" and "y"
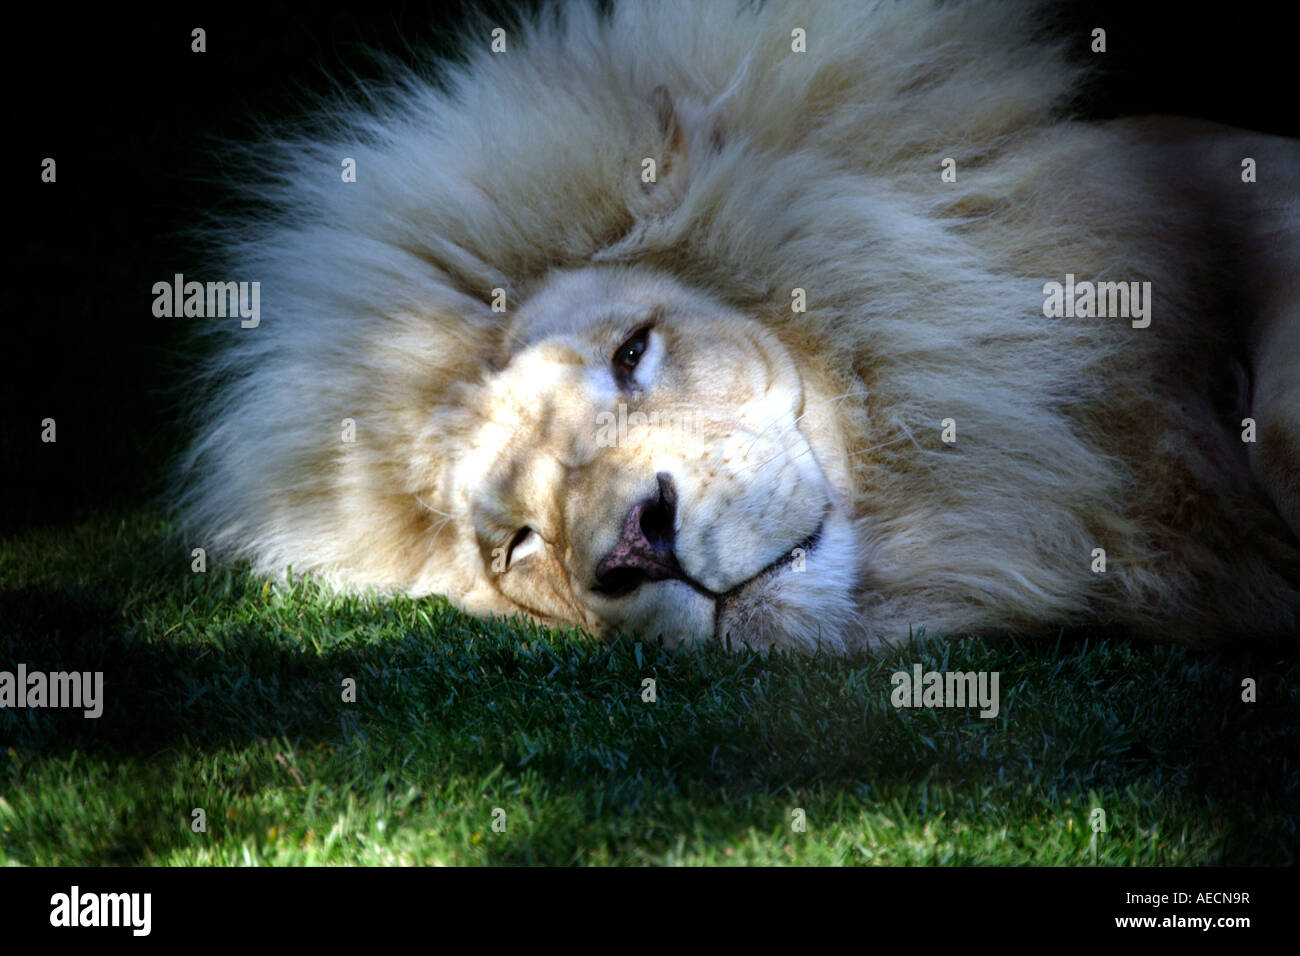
{"x": 687, "y": 135}
{"x": 690, "y": 132}
{"x": 669, "y": 128}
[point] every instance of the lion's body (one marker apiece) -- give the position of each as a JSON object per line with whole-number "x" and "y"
{"x": 776, "y": 170}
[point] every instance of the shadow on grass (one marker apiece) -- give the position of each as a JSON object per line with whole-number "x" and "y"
{"x": 197, "y": 667}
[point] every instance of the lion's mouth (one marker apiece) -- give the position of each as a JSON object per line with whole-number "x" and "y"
{"x": 800, "y": 550}
{"x": 670, "y": 570}
{"x": 661, "y": 564}
{"x": 614, "y": 584}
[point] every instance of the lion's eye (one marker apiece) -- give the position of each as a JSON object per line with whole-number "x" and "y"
{"x": 524, "y": 543}
{"x": 629, "y": 355}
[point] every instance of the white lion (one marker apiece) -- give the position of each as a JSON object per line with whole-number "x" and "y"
{"x": 730, "y": 320}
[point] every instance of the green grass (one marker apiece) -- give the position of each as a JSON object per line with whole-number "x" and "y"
{"x": 225, "y": 694}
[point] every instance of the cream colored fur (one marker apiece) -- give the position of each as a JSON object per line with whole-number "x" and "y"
{"x": 777, "y": 170}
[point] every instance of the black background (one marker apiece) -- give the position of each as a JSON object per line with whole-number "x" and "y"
{"x": 134, "y": 120}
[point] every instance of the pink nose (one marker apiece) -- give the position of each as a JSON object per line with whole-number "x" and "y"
{"x": 644, "y": 551}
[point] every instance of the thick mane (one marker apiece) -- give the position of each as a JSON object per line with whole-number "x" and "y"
{"x": 777, "y": 170}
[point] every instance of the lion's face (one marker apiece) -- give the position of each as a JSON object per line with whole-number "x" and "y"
{"x": 648, "y": 461}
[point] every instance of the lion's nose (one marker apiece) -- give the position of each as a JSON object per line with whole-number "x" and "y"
{"x": 644, "y": 551}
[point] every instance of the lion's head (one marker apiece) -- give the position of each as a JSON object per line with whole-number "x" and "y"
{"x": 542, "y": 353}
{"x": 649, "y": 460}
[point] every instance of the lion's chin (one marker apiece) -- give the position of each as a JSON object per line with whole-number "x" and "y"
{"x": 803, "y": 601}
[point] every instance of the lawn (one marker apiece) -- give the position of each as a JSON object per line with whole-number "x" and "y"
{"x": 227, "y": 694}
